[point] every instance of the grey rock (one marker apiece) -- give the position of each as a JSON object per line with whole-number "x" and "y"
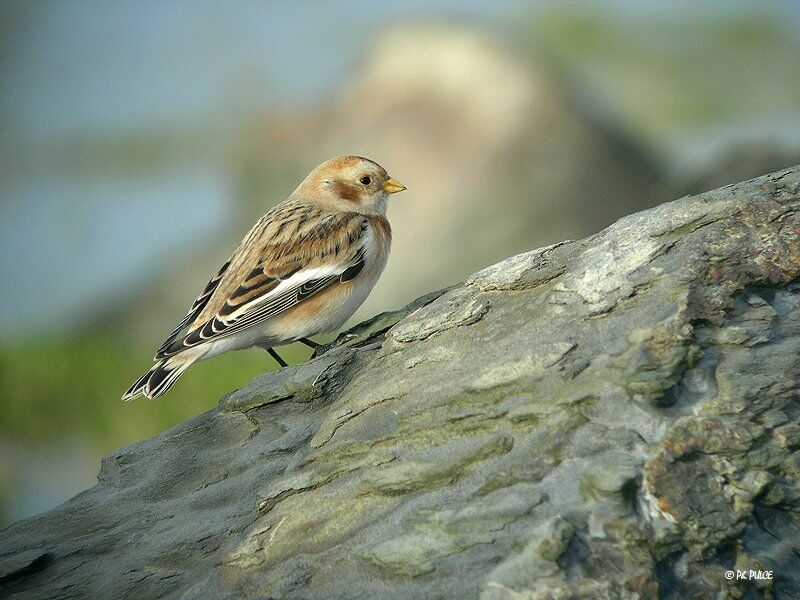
{"x": 615, "y": 417}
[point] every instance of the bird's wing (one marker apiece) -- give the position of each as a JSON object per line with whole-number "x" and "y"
{"x": 197, "y": 307}
{"x": 281, "y": 271}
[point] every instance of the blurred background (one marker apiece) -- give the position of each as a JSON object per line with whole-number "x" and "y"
{"x": 139, "y": 142}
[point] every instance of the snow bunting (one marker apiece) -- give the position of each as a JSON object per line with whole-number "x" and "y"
{"x": 303, "y": 269}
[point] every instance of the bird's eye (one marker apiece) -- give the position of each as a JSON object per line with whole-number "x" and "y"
{"x": 365, "y": 180}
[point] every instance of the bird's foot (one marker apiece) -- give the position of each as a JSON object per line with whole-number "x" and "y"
{"x": 319, "y": 349}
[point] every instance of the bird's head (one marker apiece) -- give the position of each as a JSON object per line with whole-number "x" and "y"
{"x": 350, "y": 183}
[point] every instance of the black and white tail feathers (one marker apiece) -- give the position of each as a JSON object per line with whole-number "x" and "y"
{"x": 159, "y": 378}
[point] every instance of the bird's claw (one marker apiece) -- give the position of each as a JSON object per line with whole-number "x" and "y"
{"x": 320, "y": 350}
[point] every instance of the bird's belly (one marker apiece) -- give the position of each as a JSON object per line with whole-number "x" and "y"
{"x": 324, "y": 312}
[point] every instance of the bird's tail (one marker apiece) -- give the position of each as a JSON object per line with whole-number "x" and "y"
{"x": 160, "y": 377}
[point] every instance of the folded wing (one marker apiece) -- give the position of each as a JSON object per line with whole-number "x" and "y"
{"x": 281, "y": 272}
{"x": 197, "y": 307}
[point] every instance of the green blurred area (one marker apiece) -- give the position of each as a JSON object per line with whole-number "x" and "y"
{"x": 671, "y": 77}
{"x": 69, "y": 386}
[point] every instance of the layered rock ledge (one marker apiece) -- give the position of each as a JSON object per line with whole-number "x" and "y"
{"x": 615, "y": 417}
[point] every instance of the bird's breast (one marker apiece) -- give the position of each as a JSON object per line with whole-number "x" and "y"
{"x": 329, "y": 309}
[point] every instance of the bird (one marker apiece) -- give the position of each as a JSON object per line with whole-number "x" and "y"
{"x": 302, "y": 269}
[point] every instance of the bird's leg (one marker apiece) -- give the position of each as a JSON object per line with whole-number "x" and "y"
{"x": 310, "y": 343}
{"x": 277, "y": 357}
{"x": 319, "y": 349}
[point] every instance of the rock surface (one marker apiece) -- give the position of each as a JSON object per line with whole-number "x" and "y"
{"x": 615, "y": 417}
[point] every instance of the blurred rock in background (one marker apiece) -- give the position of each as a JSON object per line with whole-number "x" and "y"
{"x": 138, "y": 144}
{"x": 475, "y": 131}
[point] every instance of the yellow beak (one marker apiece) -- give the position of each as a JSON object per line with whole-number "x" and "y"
{"x": 391, "y": 186}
